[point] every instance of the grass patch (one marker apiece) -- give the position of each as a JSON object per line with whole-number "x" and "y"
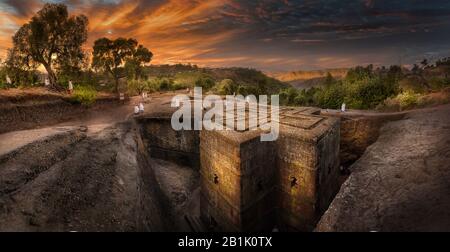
{"x": 84, "y": 95}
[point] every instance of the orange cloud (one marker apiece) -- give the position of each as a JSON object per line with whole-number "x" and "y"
{"x": 169, "y": 29}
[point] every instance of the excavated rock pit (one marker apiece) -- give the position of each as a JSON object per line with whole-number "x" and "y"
{"x": 127, "y": 177}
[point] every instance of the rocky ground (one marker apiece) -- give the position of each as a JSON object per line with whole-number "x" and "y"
{"x": 71, "y": 182}
{"x": 85, "y": 175}
{"x": 402, "y": 182}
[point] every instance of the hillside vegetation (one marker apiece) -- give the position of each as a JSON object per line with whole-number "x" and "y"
{"x": 307, "y": 75}
{"x": 223, "y": 81}
{"x": 392, "y": 88}
{"x": 308, "y": 79}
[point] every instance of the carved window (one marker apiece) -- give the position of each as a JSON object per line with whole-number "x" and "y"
{"x": 293, "y": 182}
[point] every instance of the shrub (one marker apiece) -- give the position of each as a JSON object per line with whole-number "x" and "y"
{"x": 414, "y": 83}
{"x": 331, "y": 96}
{"x": 408, "y": 99}
{"x": 437, "y": 83}
{"x": 159, "y": 84}
{"x": 164, "y": 84}
{"x": 205, "y": 82}
{"x": 137, "y": 86}
{"x": 84, "y": 95}
{"x": 226, "y": 87}
{"x": 188, "y": 79}
{"x": 288, "y": 96}
{"x": 178, "y": 86}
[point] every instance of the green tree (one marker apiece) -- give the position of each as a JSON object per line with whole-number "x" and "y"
{"x": 52, "y": 39}
{"x": 227, "y": 87}
{"x": 135, "y": 64}
{"x": 20, "y": 70}
{"x": 111, "y": 55}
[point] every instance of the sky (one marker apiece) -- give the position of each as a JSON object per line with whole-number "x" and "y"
{"x": 270, "y": 35}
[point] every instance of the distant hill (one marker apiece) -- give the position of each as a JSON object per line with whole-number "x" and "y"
{"x": 307, "y": 79}
{"x": 188, "y": 74}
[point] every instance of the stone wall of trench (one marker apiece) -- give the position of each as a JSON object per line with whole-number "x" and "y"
{"x": 21, "y": 116}
{"x": 356, "y": 134}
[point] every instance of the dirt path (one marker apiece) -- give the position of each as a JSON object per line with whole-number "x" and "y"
{"x": 402, "y": 182}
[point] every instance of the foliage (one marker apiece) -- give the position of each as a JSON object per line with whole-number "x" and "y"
{"x": 244, "y": 79}
{"x": 178, "y": 86}
{"x": 136, "y": 86}
{"x": 362, "y": 88}
{"x": 3, "y": 75}
{"x": 110, "y": 56}
{"x": 407, "y": 99}
{"x": 205, "y": 82}
{"x": 226, "y": 87}
{"x": 84, "y": 95}
{"x": 152, "y": 85}
{"x": 134, "y": 64}
{"x": 51, "y": 39}
{"x": 437, "y": 83}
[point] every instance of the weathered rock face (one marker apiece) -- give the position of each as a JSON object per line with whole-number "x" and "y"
{"x": 163, "y": 142}
{"x": 22, "y": 115}
{"x": 401, "y": 183}
{"x": 359, "y": 133}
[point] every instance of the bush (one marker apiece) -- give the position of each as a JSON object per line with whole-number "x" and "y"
{"x": 408, "y": 99}
{"x": 137, "y": 86}
{"x": 413, "y": 83}
{"x": 178, "y": 86}
{"x": 164, "y": 84}
{"x": 288, "y": 96}
{"x": 84, "y": 95}
{"x": 205, "y": 82}
{"x": 187, "y": 78}
{"x": 21, "y": 78}
{"x": 158, "y": 84}
{"x": 437, "y": 83}
{"x": 226, "y": 87}
{"x": 331, "y": 96}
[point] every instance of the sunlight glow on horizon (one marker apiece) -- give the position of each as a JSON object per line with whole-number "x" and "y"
{"x": 267, "y": 35}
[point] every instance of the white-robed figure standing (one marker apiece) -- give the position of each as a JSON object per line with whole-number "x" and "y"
{"x": 343, "y": 107}
{"x": 141, "y": 107}
{"x": 70, "y": 87}
{"x": 8, "y": 80}
{"x": 47, "y": 82}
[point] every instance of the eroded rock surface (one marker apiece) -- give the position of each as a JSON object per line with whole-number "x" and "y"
{"x": 74, "y": 181}
{"x": 402, "y": 182}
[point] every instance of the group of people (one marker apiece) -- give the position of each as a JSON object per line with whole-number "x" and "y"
{"x": 139, "y": 108}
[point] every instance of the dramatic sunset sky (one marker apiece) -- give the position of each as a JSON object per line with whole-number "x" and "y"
{"x": 269, "y": 35}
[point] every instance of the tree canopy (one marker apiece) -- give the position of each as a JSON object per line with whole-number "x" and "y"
{"x": 52, "y": 39}
{"x": 112, "y": 56}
